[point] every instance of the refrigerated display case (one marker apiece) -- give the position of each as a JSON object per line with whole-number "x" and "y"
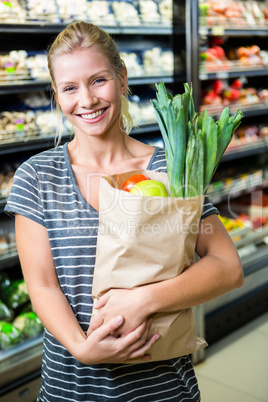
{"x": 28, "y": 126}
{"x": 229, "y": 67}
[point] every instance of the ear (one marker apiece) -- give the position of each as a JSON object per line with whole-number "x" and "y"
{"x": 123, "y": 81}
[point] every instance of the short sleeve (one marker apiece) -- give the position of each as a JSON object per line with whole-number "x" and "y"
{"x": 208, "y": 208}
{"x": 24, "y": 198}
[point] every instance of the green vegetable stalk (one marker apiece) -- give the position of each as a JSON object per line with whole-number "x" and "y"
{"x": 194, "y": 142}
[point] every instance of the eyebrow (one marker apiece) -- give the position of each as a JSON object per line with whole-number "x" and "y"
{"x": 90, "y": 78}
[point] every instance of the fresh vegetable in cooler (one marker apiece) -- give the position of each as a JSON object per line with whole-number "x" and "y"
{"x": 17, "y": 295}
{"x": 9, "y": 335}
{"x": 194, "y": 142}
{"x": 29, "y": 324}
{"x": 5, "y": 283}
{"x": 132, "y": 180}
{"x": 5, "y": 313}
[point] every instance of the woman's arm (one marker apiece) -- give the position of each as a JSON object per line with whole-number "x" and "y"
{"x": 218, "y": 271}
{"x": 55, "y": 312}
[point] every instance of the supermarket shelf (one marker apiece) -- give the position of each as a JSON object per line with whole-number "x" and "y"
{"x": 39, "y": 27}
{"x": 225, "y": 74}
{"x": 244, "y": 150}
{"x": 15, "y": 87}
{"x": 20, "y": 360}
{"x": 30, "y": 144}
{"x": 31, "y": 85}
{"x": 9, "y": 260}
{"x": 250, "y": 110}
{"x": 236, "y": 191}
{"x": 219, "y": 30}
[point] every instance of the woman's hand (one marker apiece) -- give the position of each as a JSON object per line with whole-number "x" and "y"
{"x": 127, "y": 302}
{"x": 102, "y": 347}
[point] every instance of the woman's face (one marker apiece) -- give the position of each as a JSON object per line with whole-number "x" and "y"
{"x": 88, "y": 91}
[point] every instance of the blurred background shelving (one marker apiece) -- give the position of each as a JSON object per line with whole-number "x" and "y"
{"x": 222, "y": 49}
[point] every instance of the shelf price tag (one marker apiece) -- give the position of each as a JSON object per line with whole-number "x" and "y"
{"x": 221, "y": 75}
{"x": 19, "y": 124}
{"x": 9, "y": 67}
{"x": 7, "y": 3}
{"x": 217, "y": 30}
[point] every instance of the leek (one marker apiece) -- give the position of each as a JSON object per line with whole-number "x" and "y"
{"x": 194, "y": 142}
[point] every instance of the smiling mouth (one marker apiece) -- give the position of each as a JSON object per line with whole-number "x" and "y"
{"x": 91, "y": 116}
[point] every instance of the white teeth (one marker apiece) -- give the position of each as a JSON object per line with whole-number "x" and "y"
{"x": 92, "y": 115}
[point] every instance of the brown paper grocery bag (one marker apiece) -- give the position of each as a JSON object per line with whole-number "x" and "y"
{"x": 143, "y": 240}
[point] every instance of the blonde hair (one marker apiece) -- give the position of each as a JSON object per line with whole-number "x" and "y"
{"x": 83, "y": 35}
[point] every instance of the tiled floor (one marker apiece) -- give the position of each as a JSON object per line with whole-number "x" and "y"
{"x": 236, "y": 368}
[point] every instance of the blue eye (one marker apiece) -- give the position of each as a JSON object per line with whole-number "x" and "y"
{"x": 99, "y": 80}
{"x": 68, "y": 89}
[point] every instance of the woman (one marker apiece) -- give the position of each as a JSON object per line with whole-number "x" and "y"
{"x": 55, "y": 202}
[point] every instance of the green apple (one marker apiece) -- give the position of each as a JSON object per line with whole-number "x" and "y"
{"x": 149, "y": 188}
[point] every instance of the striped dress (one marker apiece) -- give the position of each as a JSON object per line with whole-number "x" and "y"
{"x": 45, "y": 190}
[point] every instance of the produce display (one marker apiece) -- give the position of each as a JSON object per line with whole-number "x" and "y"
{"x": 249, "y": 134}
{"x": 240, "y": 58}
{"x": 20, "y": 65}
{"x": 9, "y": 335}
{"x": 108, "y": 12}
{"x": 194, "y": 142}
{"x": 7, "y": 236}
{"x": 237, "y": 14}
{"x": 217, "y": 94}
{"x": 28, "y": 324}
{"x": 17, "y": 320}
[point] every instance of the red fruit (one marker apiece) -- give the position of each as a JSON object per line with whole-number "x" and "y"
{"x": 132, "y": 180}
{"x": 218, "y": 86}
{"x": 237, "y": 84}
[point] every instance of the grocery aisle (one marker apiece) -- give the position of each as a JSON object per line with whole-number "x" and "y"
{"x": 236, "y": 367}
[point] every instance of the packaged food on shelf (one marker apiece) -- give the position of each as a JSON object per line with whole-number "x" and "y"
{"x": 133, "y": 63}
{"x": 100, "y": 12}
{"x": 49, "y": 122}
{"x": 12, "y": 12}
{"x": 17, "y": 125}
{"x": 126, "y": 13}
{"x": 42, "y": 10}
{"x": 142, "y": 111}
{"x": 71, "y": 10}
{"x": 158, "y": 61}
{"x": 35, "y": 100}
{"x": 166, "y": 11}
{"x": 37, "y": 65}
{"x": 149, "y": 12}
{"x": 13, "y": 66}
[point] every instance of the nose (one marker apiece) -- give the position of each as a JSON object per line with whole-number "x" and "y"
{"x": 87, "y": 99}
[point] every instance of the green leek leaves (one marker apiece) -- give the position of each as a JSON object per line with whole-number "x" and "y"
{"x": 194, "y": 142}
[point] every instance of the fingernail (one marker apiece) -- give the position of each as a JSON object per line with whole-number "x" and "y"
{"x": 147, "y": 357}
{"x": 119, "y": 319}
{"x": 157, "y": 336}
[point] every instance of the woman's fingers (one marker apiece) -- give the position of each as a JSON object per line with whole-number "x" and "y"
{"x": 105, "y": 330}
{"x": 141, "y": 352}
